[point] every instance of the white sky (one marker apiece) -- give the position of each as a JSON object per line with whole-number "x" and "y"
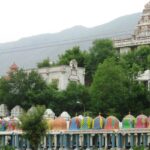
{"x": 22, "y": 18}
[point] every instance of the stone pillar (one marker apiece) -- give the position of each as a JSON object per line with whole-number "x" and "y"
{"x": 17, "y": 142}
{"x": 136, "y": 139}
{"x": 55, "y": 142}
{"x": 81, "y": 141}
{"x": 106, "y": 141}
{"x": 119, "y": 141}
{"x": 91, "y": 140}
{"x": 116, "y": 136}
{"x": 84, "y": 141}
{"x": 13, "y": 140}
{"x": 44, "y": 142}
{"x": 88, "y": 141}
{"x": 113, "y": 140}
{"x": 49, "y": 141}
{"x": 124, "y": 141}
{"x": 139, "y": 139}
{"x": 28, "y": 145}
{"x": 71, "y": 141}
{"x": 3, "y": 140}
{"x": 100, "y": 141}
{"x": 61, "y": 141}
{"x": 132, "y": 140}
{"x": 77, "y": 141}
{"x": 148, "y": 139}
{"x": 23, "y": 143}
{"x": 65, "y": 141}
{"x": 103, "y": 140}
{"x": 145, "y": 139}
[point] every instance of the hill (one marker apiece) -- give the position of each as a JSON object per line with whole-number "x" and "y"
{"x": 26, "y": 52}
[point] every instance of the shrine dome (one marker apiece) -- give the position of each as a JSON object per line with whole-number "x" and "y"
{"x": 74, "y": 123}
{"x": 86, "y": 123}
{"x": 17, "y": 111}
{"x": 98, "y": 122}
{"x": 13, "y": 123}
{"x": 128, "y": 121}
{"x": 111, "y": 123}
{"x": 141, "y": 121}
{"x": 49, "y": 114}
{"x": 13, "y": 67}
{"x": 59, "y": 124}
{"x": 3, "y": 124}
{"x": 65, "y": 115}
{"x": 3, "y": 110}
{"x": 31, "y": 109}
{"x": 50, "y": 122}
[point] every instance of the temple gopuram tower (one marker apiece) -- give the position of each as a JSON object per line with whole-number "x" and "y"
{"x": 142, "y": 29}
{"x": 141, "y": 35}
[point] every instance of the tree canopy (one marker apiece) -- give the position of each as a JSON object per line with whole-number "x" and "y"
{"x": 100, "y": 50}
{"x": 74, "y": 53}
{"x": 22, "y": 89}
{"x": 45, "y": 63}
{"x": 34, "y": 126}
{"x": 114, "y": 92}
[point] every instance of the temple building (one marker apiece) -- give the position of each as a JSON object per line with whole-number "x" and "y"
{"x": 62, "y": 75}
{"x": 59, "y": 75}
{"x": 141, "y": 35}
{"x": 145, "y": 78}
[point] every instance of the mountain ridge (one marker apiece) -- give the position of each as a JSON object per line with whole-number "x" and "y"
{"x": 37, "y": 48}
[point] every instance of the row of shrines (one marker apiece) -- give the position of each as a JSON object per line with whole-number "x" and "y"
{"x": 79, "y": 132}
{"x": 64, "y": 122}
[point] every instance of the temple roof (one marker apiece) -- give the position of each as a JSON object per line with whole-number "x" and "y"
{"x": 143, "y": 27}
{"x": 147, "y": 5}
{"x": 13, "y": 67}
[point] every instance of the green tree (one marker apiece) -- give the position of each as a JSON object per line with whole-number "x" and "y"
{"x": 34, "y": 126}
{"x": 77, "y": 97}
{"x": 74, "y": 53}
{"x": 45, "y": 63}
{"x": 74, "y": 99}
{"x": 100, "y": 50}
{"x": 22, "y": 89}
{"x": 36, "y": 88}
{"x": 139, "y": 58}
{"x": 115, "y": 91}
{"x": 108, "y": 89}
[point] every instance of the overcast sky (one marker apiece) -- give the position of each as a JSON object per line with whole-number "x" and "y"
{"x": 22, "y": 18}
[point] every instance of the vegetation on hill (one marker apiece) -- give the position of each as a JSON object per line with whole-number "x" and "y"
{"x": 111, "y": 85}
{"x": 45, "y": 63}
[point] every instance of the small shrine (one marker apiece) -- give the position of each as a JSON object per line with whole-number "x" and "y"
{"x": 3, "y": 110}
{"x": 16, "y": 111}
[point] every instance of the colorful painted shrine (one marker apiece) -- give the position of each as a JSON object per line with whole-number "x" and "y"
{"x": 128, "y": 122}
{"x": 111, "y": 123}
{"x": 98, "y": 123}
{"x": 141, "y": 121}
{"x": 74, "y": 123}
{"x": 86, "y": 123}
